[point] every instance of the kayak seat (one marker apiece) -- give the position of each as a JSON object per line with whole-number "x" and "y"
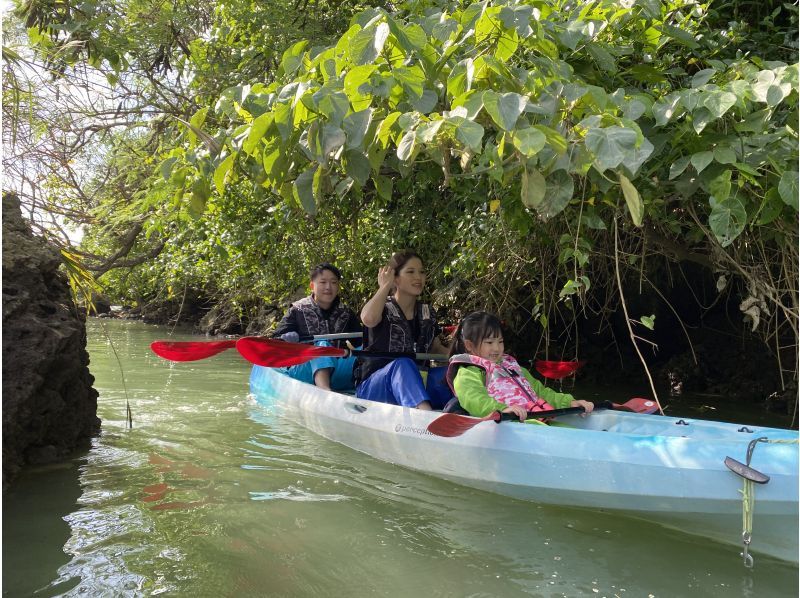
{"x": 453, "y": 406}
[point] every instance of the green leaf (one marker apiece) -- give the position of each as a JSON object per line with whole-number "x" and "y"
{"x": 665, "y": 108}
{"x": 519, "y": 18}
{"x": 292, "y": 59}
{"x": 632, "y": 199}
{"x": 611, "y": 145}
{"x": 460, "y": 79}
{"x": 324, "y": 141}
{"x": 648, "y": 322}
{"x": 166, "y": 167}
{"x": 367, "y": 44}
{"x": 724, "y": 155}
{"x": 533, "y": 187}
{"x": 701, "y": 159}
{"x": 201, "y": 191}
{"x": 555, "y": 140}
{"x": 603, "y": 58}
{"x": 591, "y": 219}
{"x": 222, "y": 171}
{"x": 788, "y": 188}
{"x": 702, "y": 77}
{"x": 529, "y": 141}
{"x": 771, "y": 207}
{"x": 559, "y": 192}
{"x": 677, "y": 167}
{"x": 472, "y": 101}
{"x": 409, "y": 37}
{"x": 411, "y": 78}
{"x": 355, "y": 78}
{"x": 468, "y": 132}
{"x": 196, "y": 122}
{"x": 355, "y": 127}
{"x": 258, "y": 129}
{"x": 357, "y": 166}
{"x": 333, "y": 104}
{"x": 303, "y": 190}
{"x": 407, "y": 146}
{"x": 385, "y": 129}
{"x": 504, "y": 108}
{"x": 383, "y": 184}
{"x": 727, "y": 219}
{"x": 428, "y": 131}
{"x": 426, "y": 103}
{"x": 719, "y": 102}
{"x": 720, "y": 186}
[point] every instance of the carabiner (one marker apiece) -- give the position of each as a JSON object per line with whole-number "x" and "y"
{"x": 745, "y": 554}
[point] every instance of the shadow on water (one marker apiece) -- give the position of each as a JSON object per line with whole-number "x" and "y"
{"x": 35, "y": 531}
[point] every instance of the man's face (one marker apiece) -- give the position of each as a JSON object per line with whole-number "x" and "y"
{"x": 325, "y": 287}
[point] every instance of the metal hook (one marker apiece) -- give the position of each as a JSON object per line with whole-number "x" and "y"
{"x": 745, "y": 554}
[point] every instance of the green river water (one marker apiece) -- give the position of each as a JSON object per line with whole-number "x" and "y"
{"x": 211, "y": 495}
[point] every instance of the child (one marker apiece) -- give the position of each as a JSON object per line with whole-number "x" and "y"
{"x": 485, "y": 379}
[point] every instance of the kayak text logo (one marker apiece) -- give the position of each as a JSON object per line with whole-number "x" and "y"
{"x": 412, "y": 429}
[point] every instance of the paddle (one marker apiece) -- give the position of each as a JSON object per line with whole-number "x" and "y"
{"x": 274, "y": 353}
{"x": 556, "y": 370}
{"x": 196, "y": 350}
{"x": 453, "y": 424}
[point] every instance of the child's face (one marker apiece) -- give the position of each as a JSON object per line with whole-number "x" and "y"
{"x": 491, "y": 348}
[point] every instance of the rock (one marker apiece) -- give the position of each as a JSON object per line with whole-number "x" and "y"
{"x": 49, "y": 405}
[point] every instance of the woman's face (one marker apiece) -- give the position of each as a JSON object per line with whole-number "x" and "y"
{"x": 410, "y": 278}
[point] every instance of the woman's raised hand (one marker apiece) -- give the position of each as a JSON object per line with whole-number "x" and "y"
{"x": 385, "y": 276}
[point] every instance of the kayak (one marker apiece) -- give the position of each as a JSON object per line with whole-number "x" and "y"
{"x": 667, "y": 470}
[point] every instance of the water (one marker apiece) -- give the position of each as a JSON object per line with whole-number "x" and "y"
{"x": 210, "y": 495}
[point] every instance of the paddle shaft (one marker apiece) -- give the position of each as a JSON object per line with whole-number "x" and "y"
{"x": 390, "y": 355}
{"x": 277, "y": 353}
{"x": 555, "y": 412}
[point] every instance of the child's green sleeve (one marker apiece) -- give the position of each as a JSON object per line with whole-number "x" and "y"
{"x": 470, "y": 387}
{"x": 557, "y": 399}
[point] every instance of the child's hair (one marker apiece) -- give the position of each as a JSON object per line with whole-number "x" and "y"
{"x": 320, "y": 268}
{"x": 399, "y": 259}
{"x": 475, "y": 327}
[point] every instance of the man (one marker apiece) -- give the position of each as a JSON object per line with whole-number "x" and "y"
{"x": 320, "y": 313}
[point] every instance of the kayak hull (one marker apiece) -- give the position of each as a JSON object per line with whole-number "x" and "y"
{"x": 663, "y": 469}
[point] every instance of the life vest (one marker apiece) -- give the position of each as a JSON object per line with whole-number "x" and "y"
{"x": 505, "y": 382}
{"x": 395, "y": 335}
{"x": 312, "y": 320}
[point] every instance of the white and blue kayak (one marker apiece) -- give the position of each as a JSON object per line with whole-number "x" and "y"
{"x": 663, "y": 469}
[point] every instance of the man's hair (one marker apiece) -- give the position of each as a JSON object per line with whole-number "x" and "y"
{"x": 320, "y": 268}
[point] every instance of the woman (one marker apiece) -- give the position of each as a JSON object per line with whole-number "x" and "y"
{"x": 396, "y": 321}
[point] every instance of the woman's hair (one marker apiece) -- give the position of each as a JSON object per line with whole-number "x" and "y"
{"x": 475, "y": 327}
{"x": 399, "y": 259}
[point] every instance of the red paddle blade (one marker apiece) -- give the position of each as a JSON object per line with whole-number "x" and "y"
{"x": 453, "y": 424}
{"x": 637, "y": 405}
{"x": 189, "y": 350}
{"x": 555, "y": 370}
{"x": 273, "y": 353}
